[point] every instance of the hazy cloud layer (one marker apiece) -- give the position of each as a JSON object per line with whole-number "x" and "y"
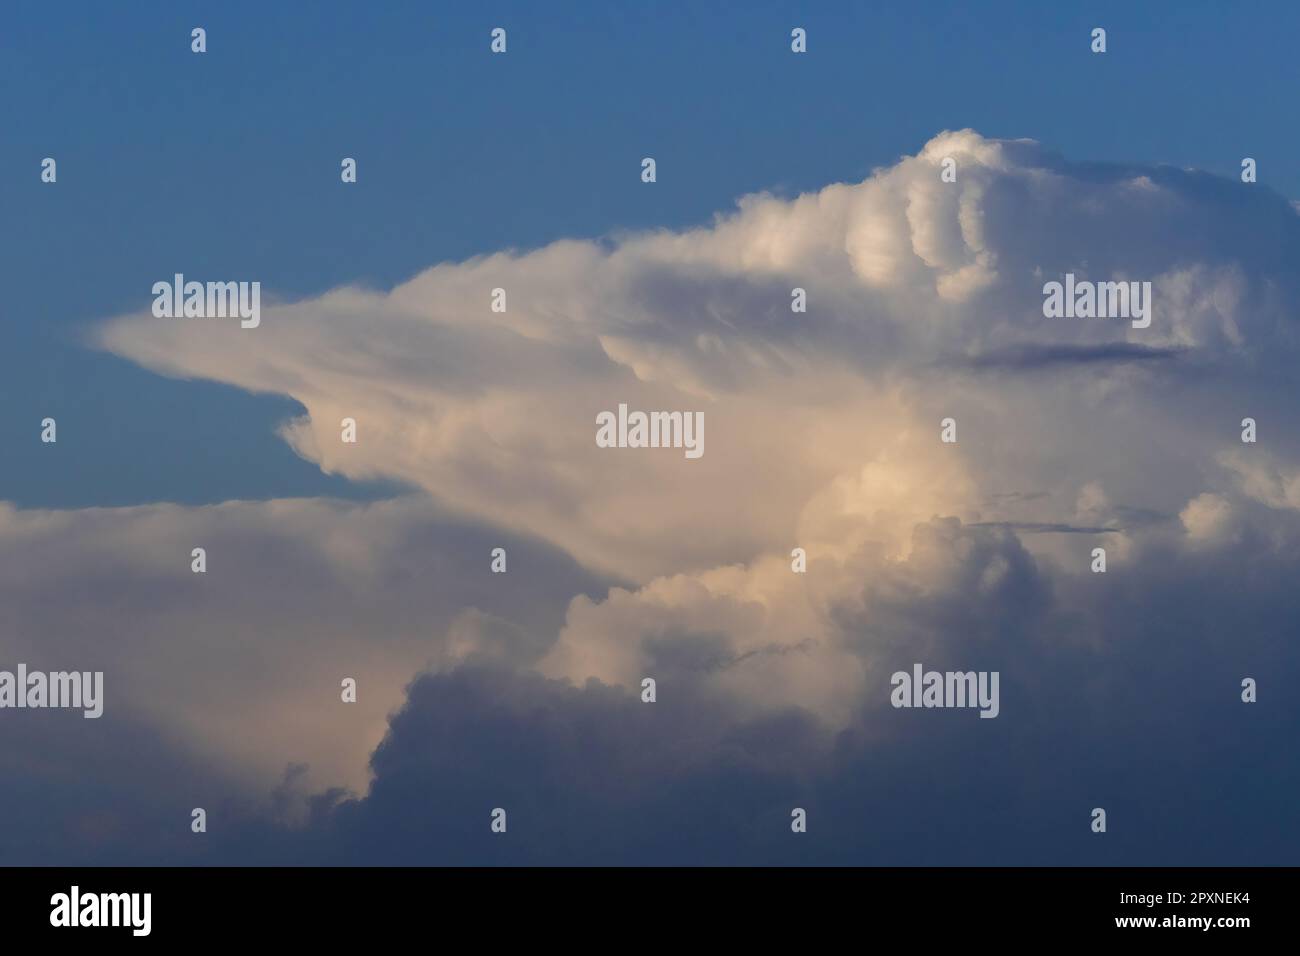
{"x": 241, "y": 666}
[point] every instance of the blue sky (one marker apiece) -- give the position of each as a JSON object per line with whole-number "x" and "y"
{"x": 369, "y": 561}
{"x": 228, "y": 163}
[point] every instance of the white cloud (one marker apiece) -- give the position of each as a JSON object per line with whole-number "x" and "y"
{"x": 1208, "y": 518}
{"x": 925, "y": 301}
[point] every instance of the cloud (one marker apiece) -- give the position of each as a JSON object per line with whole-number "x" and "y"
{"x": 1119, "y": 690}
{"x": 1261, "y": 478}
{"x": 1042, "y": 527}
{"x": 1047, "y": 356}
{"x": 242, "y": 664}
{"x": 822, "y": 434}
{"x": 1207, "y": 517}
{"x": 493, "y": 413}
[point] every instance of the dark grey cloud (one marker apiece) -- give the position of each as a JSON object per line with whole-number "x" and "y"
{"x": 1043, "y": 527}
{"x": 1118, "y": 690}
{"x": 1023, "y": 358}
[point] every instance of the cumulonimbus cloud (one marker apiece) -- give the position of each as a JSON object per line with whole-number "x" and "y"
{"x": 924, "y": 302}
{"x": 822, "y": 426}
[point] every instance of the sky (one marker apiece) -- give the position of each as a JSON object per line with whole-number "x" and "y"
{"x": 774, "y": 170}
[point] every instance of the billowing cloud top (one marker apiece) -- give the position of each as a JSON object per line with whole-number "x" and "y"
{"x": 925, "y": 301}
